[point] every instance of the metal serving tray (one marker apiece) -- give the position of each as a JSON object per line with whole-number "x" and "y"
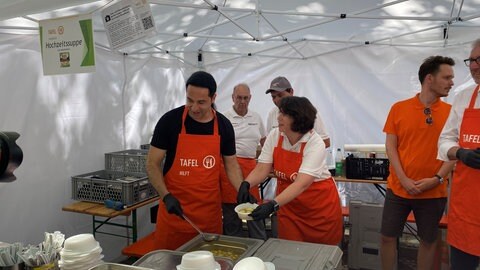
{"x": 168, "y": 260}
{"x": 116, "y": 266}
{"x": 294, "y": 255}
{"x": 237, "y": 247}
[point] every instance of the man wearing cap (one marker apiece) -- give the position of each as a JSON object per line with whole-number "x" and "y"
{"x": 280, "y": 87}
{"x": 183, "y": 164}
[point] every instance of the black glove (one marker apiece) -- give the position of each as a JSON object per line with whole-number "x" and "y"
{"x": 173, "y": 205}
{"x": 263, "y": 211}
{"x": 244, "y": 195}
{"x": 469, "y": 157}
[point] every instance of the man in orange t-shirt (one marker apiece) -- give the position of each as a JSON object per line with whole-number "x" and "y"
{"x": 416, "y": 177}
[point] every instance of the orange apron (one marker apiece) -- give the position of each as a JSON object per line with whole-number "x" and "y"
{"x": 194, "y": 180}
{"x": 313, "y": 216}
{"x": 463, "y": 218}
{"x": 229, "y": 194}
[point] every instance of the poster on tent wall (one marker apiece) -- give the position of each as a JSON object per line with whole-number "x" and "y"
{"x": 67, "y": 45}
{"x": 128, "y": 21}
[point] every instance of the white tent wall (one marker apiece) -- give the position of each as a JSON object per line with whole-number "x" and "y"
{"x": 68, "y": 122}
{"x": 353, "y": 89}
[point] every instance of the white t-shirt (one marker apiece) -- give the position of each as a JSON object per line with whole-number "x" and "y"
{"x": 450, "y": 133}
{"x": 249, "y": 129}
{"x": 272, "y": 122}
{"x": 314, "y": 154}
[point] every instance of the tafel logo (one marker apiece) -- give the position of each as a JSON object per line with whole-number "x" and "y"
{"x": 60, "y": 30}
{"x": 208, "y": 162}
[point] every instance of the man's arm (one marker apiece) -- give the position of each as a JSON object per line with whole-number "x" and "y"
{"x": 327, "y": 142}
{"x": 233, "y": 170}
{"x": 392, "y": 153}
{"x": 155, "y": 170}
{"x": 452, "y": 153}
{"x": 433, "y": 181}
{"x": 262, "y": 140}
{"x": 322, "y": 131}
{"x": 448, "y": 139}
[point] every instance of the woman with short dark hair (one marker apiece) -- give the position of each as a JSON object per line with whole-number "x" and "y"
{"x": 307, "y": 198}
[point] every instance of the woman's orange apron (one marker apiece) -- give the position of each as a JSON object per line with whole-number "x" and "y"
{"x": 463, "y": 215}
{"x": 193, "y": 180}
{"x": 313, "y": 216}
{"x": 229, "y": 194}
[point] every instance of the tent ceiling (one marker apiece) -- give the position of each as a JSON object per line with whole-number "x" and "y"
{"x": 227, "y": 29}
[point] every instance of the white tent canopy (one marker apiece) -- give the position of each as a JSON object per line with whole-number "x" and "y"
{"x": 227, "y": 30}
{"x": 352, "y": 69}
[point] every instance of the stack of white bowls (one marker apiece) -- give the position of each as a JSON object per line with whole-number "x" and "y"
{"x": 253, "y": 263}
{"x": 80, "y": 252}
{"x": 198, "y": 260}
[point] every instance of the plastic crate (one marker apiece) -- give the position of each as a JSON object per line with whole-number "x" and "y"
{"x": 364, "y": 242}
{"x": 101, "y": 185}
{"x": 130, "y": 161}
{"x": 366, "y": 168}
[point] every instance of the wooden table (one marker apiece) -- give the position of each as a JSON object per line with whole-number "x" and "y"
{"x": 376, "y": 182}
{"x": 99, "y": 210}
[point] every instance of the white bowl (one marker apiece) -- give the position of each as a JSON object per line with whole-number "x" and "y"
{"x": 92, "y": 256}
{"x": 198, "y": 260}
{"x": 243, "y": 210}
{"x": 253, "y": 263}
{"x": 67, "y": 253}
{"x": 80, "y": 243}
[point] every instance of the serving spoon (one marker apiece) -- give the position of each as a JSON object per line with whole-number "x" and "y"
{"x": 205, "y": 237}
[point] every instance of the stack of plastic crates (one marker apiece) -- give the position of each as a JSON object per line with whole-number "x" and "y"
{"x": 123, "y": 180}
{"x": 127, "y": 161}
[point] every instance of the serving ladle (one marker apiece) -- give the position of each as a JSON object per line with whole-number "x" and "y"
{"x": 205, "y": 237}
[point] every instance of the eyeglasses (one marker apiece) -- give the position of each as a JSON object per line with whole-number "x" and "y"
{"x": 469, "y": 61}
{"x": 428, "y": 113}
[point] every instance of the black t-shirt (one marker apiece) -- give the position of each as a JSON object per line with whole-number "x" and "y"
{"x": 169, "y": 127}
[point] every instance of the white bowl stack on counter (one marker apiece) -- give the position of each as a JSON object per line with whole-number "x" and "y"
{"x": 80, "y": 252}
{"x": 198, "y": 260}
{"x": 253, "y": 263}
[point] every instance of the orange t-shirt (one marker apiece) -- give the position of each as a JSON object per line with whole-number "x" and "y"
{"x": 417, "y": 143}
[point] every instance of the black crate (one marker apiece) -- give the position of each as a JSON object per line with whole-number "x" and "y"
{"x": 366, "y": 168}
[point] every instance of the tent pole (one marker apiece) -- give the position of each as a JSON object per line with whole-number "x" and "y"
{"x": 334, "y": 19}
{"x": 283, "y": 37}
{"x": 196, "y": 31}
{"x": 214, "y": 7}
{"x": 176, "y": 4}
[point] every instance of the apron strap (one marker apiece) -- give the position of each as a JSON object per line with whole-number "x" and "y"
{"x": 215, "y": 122}
{"x": 280, "y": 141}
{"x": 474, "y": 98}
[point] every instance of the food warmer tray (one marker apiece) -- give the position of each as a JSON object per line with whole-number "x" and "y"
{"x": 116, "y": 266}
{"x": 294, "y": 255}
{"x": 236, "y": 248}
{"x": 168, "y": 260}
